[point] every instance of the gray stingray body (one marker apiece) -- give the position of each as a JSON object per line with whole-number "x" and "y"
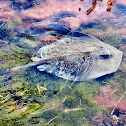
{"x": 78, "y": 58}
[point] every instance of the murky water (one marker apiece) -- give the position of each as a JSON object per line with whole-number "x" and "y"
{"x": 30, "y": 97}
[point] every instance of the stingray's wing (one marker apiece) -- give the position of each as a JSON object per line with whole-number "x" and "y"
{"x": 67, "y": 46}
{"x": 73, "y": 67}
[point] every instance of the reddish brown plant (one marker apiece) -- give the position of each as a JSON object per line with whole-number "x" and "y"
{"x": 106, "y": 98}
{"x": 110, "y": 3}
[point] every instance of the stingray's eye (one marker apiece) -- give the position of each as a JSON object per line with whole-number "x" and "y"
{"x": 105, "y": 56}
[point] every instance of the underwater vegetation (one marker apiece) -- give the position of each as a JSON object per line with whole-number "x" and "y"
{"x": 110, "y": 4}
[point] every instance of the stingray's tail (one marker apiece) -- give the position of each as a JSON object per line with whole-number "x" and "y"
{"x": 5, "y": 72}
{"x": 20, "y": 67}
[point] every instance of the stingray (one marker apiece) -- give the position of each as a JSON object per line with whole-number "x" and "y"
{"x": 76, "y": 57}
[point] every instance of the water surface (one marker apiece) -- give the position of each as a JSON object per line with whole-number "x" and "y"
{"x": 31, "y": 97}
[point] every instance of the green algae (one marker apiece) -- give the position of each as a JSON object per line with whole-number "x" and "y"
{"x": 102, "y": 26}
{"x": 113, "y": 39}
{"x": 11, "y": 24}
{"x": 76, "y": 99}
{"x": 72, "y": 101}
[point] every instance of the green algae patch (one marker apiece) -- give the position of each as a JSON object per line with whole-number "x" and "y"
{"x": 113, "y": 39}
{"x": 76, "y": 107}
{"x": 70, "y": 109}
{"x": 11, "y": 24}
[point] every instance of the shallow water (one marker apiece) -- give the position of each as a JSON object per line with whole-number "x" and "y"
{"x": 31, "y": 97}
